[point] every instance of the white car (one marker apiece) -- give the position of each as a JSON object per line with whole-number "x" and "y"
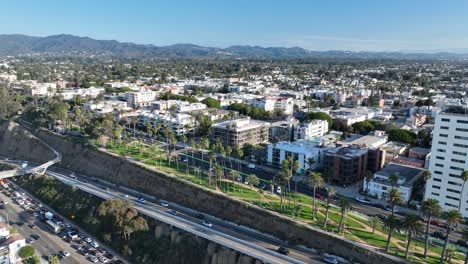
{"x": 142, "y": 200}
{"x": 125, "y": 195}
{"x": 362, "y": 200}
{"x": 65, "y": 253}
{"x": 93, "y": 259}
{"x": 164, "y": 203}
{"x": 278, "y": 189}
{"x": 103, "y": 259}
{"x": 88, "y": 240}
{"x": 207, "y": 224}
{"x": 94, "y": 244}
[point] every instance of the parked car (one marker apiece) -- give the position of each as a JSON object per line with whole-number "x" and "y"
{"x": 164, "y": 203}
{"x": 174, "y": 212}
{"x": 363, "y": 200}
{"x": 88, "y": 240}
{"x": 103, "y": 259}
{"x": 64, "y": 253}
{"x": 435, "y": 223}
{"x": 142, "y": 200}
{"x": 282, "y": 250}
{"x": 35, "y": 236}
{"x": 93, "y": 259}
{"x": 94, "y": 244}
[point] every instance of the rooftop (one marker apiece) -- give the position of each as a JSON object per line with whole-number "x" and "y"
{"x": 406, "y": 174}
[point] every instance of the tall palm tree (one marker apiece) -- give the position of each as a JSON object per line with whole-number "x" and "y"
{"x": 391, "y": 223}
{"x": 394, "y": 199}
{"x": 345, "y": 206}
{"x": 375, "y": 221}
{"x": 314, "y": 180}
{"x": 452, "y": 217}
{"x": 330, "y": 192}
{"x": 283, "y": 177}
{"x": 183, "y": 138}
{"x": 413, "y": 228}
{"x": 430, "y": 208}
{"x": 233, "y": 175}
{"x": 464, "y": 177}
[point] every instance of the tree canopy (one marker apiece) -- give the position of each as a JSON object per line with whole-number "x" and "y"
{"x": 320, "y": 116}
{"x": 211, "y": 103}
{"x": 402, "y": 135}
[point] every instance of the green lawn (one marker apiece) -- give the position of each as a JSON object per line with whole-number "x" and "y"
{"x": 237, "y": 190}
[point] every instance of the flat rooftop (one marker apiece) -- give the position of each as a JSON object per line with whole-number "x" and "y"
{"x": 405, "y": 173}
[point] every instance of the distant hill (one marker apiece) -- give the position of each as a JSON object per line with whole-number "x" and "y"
{"x": 69, "y": 44}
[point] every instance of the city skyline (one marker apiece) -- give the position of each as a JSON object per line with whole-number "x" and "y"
{"x": 420, "y": 26}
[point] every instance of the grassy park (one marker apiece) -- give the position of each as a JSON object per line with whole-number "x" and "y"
{"x": 297, "y": 206}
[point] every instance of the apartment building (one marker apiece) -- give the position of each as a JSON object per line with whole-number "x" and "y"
{"x": 275, "y": 103}
{"x": 449, "y": 159}
{"x": 140, "y": 98}
{"x": 346, "y": 165}
{"x": 241, "y": 132}
{"x": 179, "y": 123}
{"x": 311, "y": 130}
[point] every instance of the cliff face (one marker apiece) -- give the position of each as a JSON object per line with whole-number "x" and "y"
{"x": 83, "y": 159}
{"x": 18, "y": 143}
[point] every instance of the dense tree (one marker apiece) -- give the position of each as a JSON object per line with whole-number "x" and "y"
{"x": 364, "y": 127}
{"x": 401, "y": 135}
{"x": 211, "y": 103}
{"x": 9, "y": 105}
{"x": 321, "y": 116}
{"x": 26, "y": 252}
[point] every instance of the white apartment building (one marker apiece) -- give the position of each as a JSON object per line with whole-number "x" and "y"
{"x": 91, "y": 92}
{"x": 179, "y": 123}
{"x": 309, "y": 154}
{"x": 311, "y": 130}
{"x": 272, "y": 103}
{"x": 178, "y": 106}
{"x": 449, "y": 159}
{"x": 380, "y": 186}
{"x": 140, "y": 98}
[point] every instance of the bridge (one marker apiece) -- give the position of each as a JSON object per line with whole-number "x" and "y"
{"x": 24, "y": 168}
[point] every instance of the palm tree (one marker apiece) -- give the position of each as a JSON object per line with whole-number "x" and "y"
{"x": 452, "y": 217}
{"x": 345, "y": 205}
{"x": 430, "y": 208}
{"x": 197, "y": 172}
{"x": 464, "y": 177}
{"x": 369, "y": 178}
{"x": 219, "y": 173}
{"x": 183, "y": 138}
{"x": 314, "y": 180}
{"x": 252, "y": 179}
{"x": 390, "y": 223}
{"x": 374, "y": 221}
{"x": 393, "y": 180}
{"x": 330, "y": 192}
{"x": 239, "y": 153}
{"x": 394, "y": 199}
{"x": 211, "y": 158}
{"x": 233, "y": 175}
{"x": 413, "y": 228}
{"x": 283, "y": 177}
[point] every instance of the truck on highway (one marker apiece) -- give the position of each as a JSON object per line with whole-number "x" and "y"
{"x": 54, "y": 226}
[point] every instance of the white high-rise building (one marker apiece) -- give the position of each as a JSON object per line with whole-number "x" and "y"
{"x": 449, "y": 159}
{"x": 311, "y": 130}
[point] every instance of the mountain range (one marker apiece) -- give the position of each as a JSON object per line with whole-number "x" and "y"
{"x": 11, "y": 45}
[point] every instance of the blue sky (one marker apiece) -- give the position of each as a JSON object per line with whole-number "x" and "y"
{"x": 375, "y": 25}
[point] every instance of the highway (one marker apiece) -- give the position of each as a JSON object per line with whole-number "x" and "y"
{"x": 247, "y": 241}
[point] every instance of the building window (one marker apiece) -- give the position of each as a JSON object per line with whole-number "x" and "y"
{"x": 443, "y": 135}
{"x": 438, "y": 172}
{"x": 462, "y": 138}
{"x": 437, "y": 180}
{"x": 446, "y": 120}
{"x": 459, "y": 153}
{"x": 454, "y": 183}
{"x": 456, "y": 168}
{"x": 460, "y": 145}
{"x": 435, "y": 194}
{"x": 462, "y": 121}
{"x": 436, "y": 187}
{"x": 454, "y": 191}
{"x": 441, "y": 150}
{"x": 462, "y": 129}
{"x": 458, "y": 161}
{"x": 451, "y": 205}
{"x": 454, "y": 175}
{"x": 442, "y": 143}
{"x": 439, "y": 165}
{"x": 444, "y": 127}
{"x": 440, "y": 157}
{"x": 452, "y": 198}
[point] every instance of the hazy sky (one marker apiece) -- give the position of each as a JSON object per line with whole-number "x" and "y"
{"x": 374, "y": 25}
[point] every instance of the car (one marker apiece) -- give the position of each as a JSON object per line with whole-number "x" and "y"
{"x": 278, "y": 189}
{"x": 35, "y": 236}
{"x": 207, "y": 224}
{"x": 67, "y": 225}
{"x": 32, "y": 226}
{"x": 103, "y": 259}
{"x": 435, "y": 223}
{"x": 164, "y": 203}
{"x": 94, "y": 244}
{"x": 125, "y": 195}
{"x": 73, "y": 176}
{"x": 29, "y": 240}
{"x": 330, "y": 259}
{"x": 390, "y": 209}
{"x": 200, "y": 216}
{"x": 11, "y": 222}
{"x": 88, "y": 240}
{"x": 174, "y": 212}
{"x": 363, "y": 200}
{"x": 83, "y": 252}
{"x": 142, "y": 200}
{"x": 462, "y": 243}
{"x": 109, "y": 255}
{"x": 318, "y": 196}
{"x": 439, "y": 235}
{"x": 282, "y": 250}
{"x": 118, "y": 262}
{"x": 64, "y": 253}
{"x": 93, "y": 259}
{"x": 251, "y": 166}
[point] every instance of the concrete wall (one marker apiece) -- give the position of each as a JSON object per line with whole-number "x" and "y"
{"x": 83, "y": 159}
